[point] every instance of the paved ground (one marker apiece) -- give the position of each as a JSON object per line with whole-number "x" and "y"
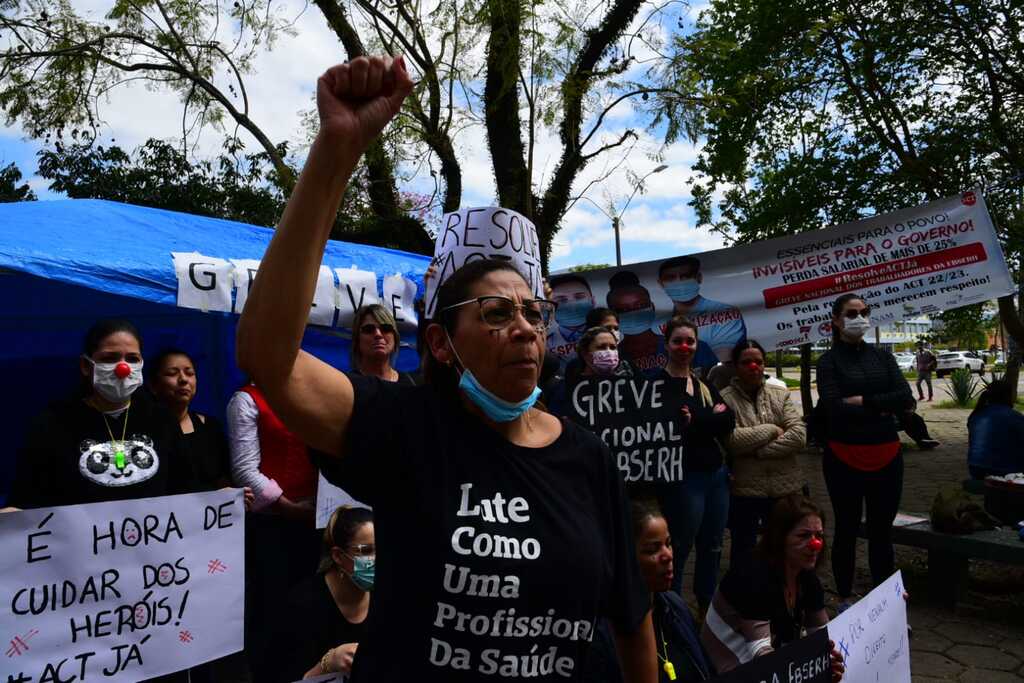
{"x": 983, "y": 639}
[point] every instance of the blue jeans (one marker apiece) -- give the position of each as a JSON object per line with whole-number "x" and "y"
{"x": 697, "y": 510}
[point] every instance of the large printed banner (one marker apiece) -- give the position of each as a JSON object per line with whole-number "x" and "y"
{"x": 930, "y": 258}
{"x": 121, "y": 591}
{"x": 207, "y": 283}
{"x": 640, "y": 420}
{"x": 872, "y": 636}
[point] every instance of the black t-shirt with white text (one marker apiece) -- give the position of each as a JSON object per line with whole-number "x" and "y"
{"x": 493, "y": 560}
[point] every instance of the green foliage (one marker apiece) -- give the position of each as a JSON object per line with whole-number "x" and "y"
{"x": 962, "y": 387}
{"x": 583, "y": 267}
{"x": 10, "y": 189}
{"x": 965, "y": 327}
{"x": 234, "y": 186}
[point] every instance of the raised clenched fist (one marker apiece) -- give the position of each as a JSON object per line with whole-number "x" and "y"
{"x": 356, "y": 100}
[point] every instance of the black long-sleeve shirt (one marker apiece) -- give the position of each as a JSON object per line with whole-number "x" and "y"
{"x": 861, "y": 369}
{"x": 705, "y": 429}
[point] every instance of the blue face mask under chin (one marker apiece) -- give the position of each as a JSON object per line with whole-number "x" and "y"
{"x": 573, "y": 313}
{"x": 682, "y": 290}
{"x": 494, "y": 407}
{"x": 497, "y": 409}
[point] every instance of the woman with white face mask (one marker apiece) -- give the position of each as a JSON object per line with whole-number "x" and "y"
{"x": 861, "y": 394}
{"x": 110, "y": 442}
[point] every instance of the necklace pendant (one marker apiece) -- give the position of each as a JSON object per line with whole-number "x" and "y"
{"x": 119, "y": 459}
{"x": 670, "y": 670}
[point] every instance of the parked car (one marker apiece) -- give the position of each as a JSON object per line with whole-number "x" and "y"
{"x": 954, "y": 360}
{"x": 905, "y": 360}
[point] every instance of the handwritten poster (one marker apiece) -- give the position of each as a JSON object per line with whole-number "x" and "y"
{"x": 485, "y": 233}
{"x": 329, "y": 498}
{"x": 121, "y": 591}
{"x": 872, "y": 636}
{"x": 640, "y": 420}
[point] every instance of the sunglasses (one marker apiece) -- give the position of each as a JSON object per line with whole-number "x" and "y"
{"x": 499, "y": 311}
{"x": 371, "y": 328}
{"x": 852, "y": 313}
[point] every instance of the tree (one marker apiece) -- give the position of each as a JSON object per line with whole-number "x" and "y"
{"x": 818, "y": 113}
{"x": 965, "y": 327}
{"x": 10, "y": 190}
{"x": 555, "y": 65}
{"x": 235, "y": 186}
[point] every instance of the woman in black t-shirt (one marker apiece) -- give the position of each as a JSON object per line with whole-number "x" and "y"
{"x": 761, "y": 607}
{"x": 108, "y": 442}
{"x": 504, "y": 531}
{"x": 325, "y": 617}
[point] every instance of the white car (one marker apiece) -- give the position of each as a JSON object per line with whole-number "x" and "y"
{"x": 905, "y": 360}
{"x": 954, "y": 360}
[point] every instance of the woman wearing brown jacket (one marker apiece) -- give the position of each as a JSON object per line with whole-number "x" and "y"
{"x": 769, "y": 434}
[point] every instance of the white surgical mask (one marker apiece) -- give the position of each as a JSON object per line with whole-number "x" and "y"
{"x": 111, "y": 387}
{"x": 856, "y": 327}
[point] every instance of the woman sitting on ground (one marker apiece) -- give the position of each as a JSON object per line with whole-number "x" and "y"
{"x": 778, "y": 598}
{"x": 680, "y": 655}
{"x": 326, "y": 613}
{"x": 995, "y": 432}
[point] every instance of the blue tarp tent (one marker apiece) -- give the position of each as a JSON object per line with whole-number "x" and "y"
{"x": 65, "y": 264}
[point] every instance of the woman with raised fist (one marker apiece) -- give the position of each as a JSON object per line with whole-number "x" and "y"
{"x": 504, "y": 531}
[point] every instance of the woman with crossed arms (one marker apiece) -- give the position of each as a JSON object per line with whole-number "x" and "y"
{"x": 467, "y": 480}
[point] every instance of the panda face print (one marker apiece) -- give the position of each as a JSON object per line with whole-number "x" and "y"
{"x": 99, "y": 462}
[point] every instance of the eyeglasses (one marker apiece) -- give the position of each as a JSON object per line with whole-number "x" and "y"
{"x": 363, "y": 550}
{"x": 853, "y": 312}
{"x": 500, "y": 311}
{"x": 371, "y": 328}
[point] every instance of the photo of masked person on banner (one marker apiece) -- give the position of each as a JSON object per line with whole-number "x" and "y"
{"x": 642, "y": 344}
{"x": 467, "y": 479}
{"x": 720, "y": 324}
{"x": 572, "y": 296}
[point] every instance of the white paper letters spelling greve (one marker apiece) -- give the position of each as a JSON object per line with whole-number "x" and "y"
{"x": 121, "y": 591}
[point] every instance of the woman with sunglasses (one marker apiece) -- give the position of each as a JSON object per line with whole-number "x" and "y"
{"x": 326, "y": 612}
{"x": 507, "y": 529}
{"x": 376, "y": 343}
{"x": 862, "y": 393}
{"x": 769, "y": 434}
{"x": 778, "y": 598}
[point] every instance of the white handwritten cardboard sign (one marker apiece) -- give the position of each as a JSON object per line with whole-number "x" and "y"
{"x": 872, "y": 636}
{"x": 329, "y": 498}
{"x": 481, "y": 233}
{"x": 121, "y": 591}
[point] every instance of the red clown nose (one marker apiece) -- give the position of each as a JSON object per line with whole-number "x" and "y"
{"x": 815, "y": 544}
{"x": 122, "y": 370}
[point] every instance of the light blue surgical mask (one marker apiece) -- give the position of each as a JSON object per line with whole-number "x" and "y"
{"x": 573, "y": 313}
{"x": 636, "y": 322}
{"x": 682, "y": 290}
{"x": 363, "y": 570}
{"x": 494, "y": 407}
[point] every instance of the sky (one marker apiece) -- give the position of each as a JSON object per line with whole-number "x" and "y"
{"x": 656, "y": 224}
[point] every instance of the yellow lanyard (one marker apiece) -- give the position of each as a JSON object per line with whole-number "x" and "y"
{"x": 667, "y": 666}
{"x": 119, "y": 459}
